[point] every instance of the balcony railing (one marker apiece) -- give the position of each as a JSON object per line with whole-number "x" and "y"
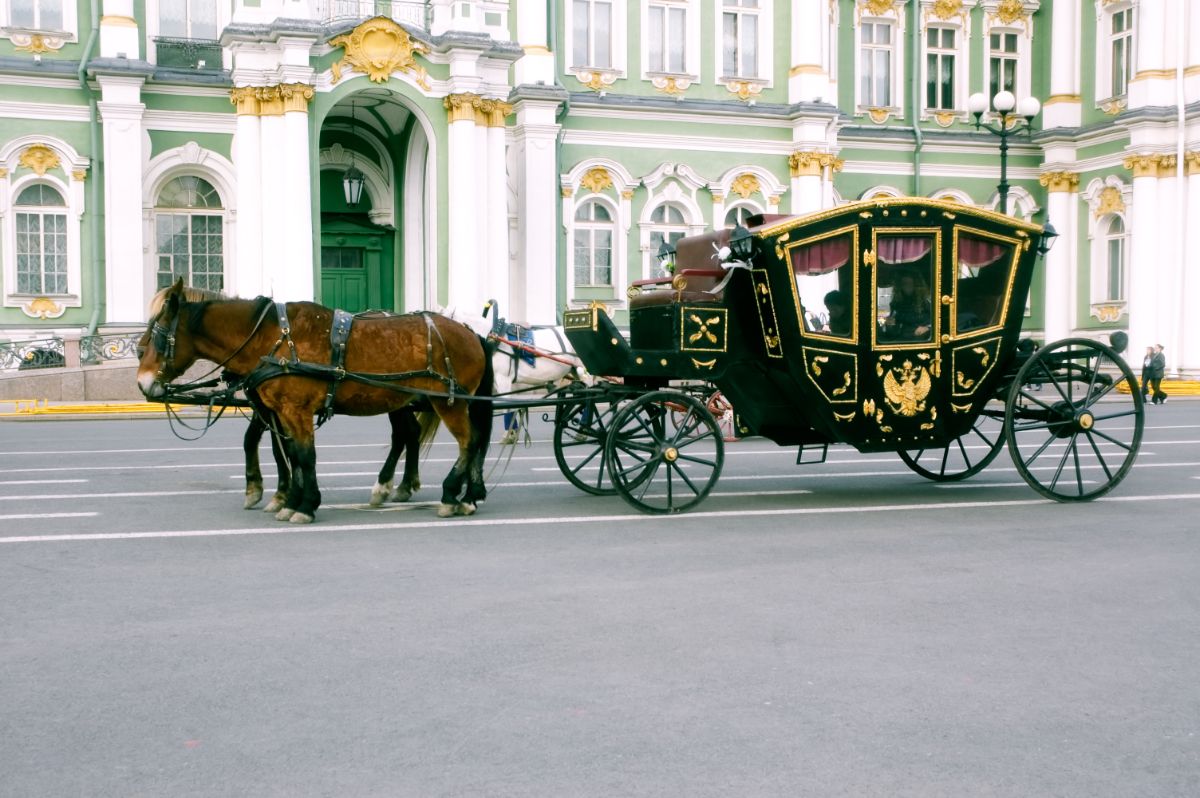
{"x": 410, "y": 12}
{"x": 198, "y": 54}
{"x": 37, "y": 354}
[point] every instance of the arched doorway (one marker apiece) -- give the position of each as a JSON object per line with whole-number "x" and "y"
{"x": 372, "y": 251}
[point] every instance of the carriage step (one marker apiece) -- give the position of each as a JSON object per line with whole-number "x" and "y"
{"x": 812, "y": 453}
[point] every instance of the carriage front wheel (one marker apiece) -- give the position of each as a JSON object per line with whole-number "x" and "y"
{"x": 580, "y": 432}
{"x": 1074, "y": 420}
{"x": 662, "y": 461}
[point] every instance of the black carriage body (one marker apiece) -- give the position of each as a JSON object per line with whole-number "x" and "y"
{"x": 796, "y": 371}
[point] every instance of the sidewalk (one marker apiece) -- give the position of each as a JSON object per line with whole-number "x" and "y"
{"x": 45, "y": 410}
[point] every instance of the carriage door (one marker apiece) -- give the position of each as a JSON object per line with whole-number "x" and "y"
{"x": 904, "y": 382}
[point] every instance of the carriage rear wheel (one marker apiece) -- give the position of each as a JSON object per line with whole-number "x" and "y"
{"x": 1074, "y": 420}
{"x": 965, "y": 456}
{"x": 662, "y": 461}
{"x": 580, "y": 432}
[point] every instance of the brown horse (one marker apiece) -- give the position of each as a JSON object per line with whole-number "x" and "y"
{"x": 387, "y": 361}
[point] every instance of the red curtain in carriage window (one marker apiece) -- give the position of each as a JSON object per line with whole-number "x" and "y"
{"x": 903, "y": 249}
{"x": 821, "y": 257}
{"x": 976, "y": 252}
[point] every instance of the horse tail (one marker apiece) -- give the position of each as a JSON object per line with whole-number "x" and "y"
{"x": 480, "y": 412}
{"x": 428, "y": 421}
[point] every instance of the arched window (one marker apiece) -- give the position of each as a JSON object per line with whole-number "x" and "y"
{"x": 594, "y": 235}
{"x": 667, "y": 225}
{"x": 41, "y": 226}
{"x": 189, "y": 234}
{"x": 738, "y": 214}
{"x": 1115, "y": 260}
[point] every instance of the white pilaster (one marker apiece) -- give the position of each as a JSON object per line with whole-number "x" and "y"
{"x": 1187, "y": 358}
{"x": 464, "y": 289}
{"x": 497, "y": 218}
{"x": 537, "y": 65}
{"x": 1062, "y": 107}
{"x": 295, "y": 282}
{"x": 807, "y": 189}
{"x": 247, "y": 277}
{"x": 1062, "y": 212}
{"x": 128, "y": 284}
{"x": 808, "y": 77}
{"x": 273, "y": 160}
{"x": 1144, "y": 253}
{"x": 535, "y": 279}
{"x": 120, "y": 35}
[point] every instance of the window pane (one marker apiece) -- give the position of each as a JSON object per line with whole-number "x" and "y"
{"x": 582, "y": 257}
{"x": 655, "y": 44}
{"x": 883, "y": 70}
{"x": 203, "y": 19}
{"x": 22, "y": 14}
{"x": 676, "y": 40}
{"x": 603, "y": 45}
{"x": 172, "y": 18}
{"x": 579, "y": 33}
{"x": 729, "y": 45}
{"x": 947, "y": 81}
{"x": 931, "y": 68}
{"x": 750, "y": 46}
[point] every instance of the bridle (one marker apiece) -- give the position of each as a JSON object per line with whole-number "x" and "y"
{"x": 163, "y": 340}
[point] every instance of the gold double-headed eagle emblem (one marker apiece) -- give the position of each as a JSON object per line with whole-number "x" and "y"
{"x": 906, "y": 388}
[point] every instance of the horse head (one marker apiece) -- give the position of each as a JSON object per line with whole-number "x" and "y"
{"x": 163, "y": 353}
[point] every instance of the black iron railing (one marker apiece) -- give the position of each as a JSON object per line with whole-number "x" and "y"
{"x": 40, "y": 353}
{"x": 199, "y": 54}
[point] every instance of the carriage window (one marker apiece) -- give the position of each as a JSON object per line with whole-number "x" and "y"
{"x": 982, "y": 273}
{"x": 824, "y": 272}
{"x": 904, "y": 283}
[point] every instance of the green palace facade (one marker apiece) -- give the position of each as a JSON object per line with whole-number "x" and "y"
{"x": 407, "y": 155}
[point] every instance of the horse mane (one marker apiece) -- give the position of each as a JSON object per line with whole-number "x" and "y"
{"x": 190, "y": 294}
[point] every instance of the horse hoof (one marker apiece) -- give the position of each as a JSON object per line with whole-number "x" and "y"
{"x": 285, "y": 514}
{"x": 445, "y": 510}
{"x": 379, "y": 494}
{"x": 252, "y": 500}
{"x": 274, "y": 506}
{"x": 402, "y": 495}
{"x": 466, "y": 508}
{"x": 300, "y": 518}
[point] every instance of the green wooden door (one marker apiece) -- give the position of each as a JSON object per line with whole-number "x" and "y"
{"x": 353, "y": 270}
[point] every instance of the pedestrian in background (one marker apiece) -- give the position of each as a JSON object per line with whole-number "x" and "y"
{"x": 1158, "y": 366}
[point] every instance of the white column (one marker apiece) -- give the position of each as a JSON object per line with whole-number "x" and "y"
{"x": 1188, "y": 356}
{"x": 538, "y": 62}
{"x": 273, "y": 203}
{"x": 535, "y": 280}
{"x": 129, "y": 283}
{"x": 1144, "y": 253}
{"x": 1151, "y": 84}
{"x": 246, "y": 277}
{"x": 483, "y": 196}
{"x": 497, "y": 219}
{"x": 807, "y": 190}
{"x": 120, "y": 36}
{"x": 1060, "y": 261}
{"x": 808, "y": 77}
{"x": 463, "y": 289}
{"x": 295, "y": 282}
{"x": 1062, "y": 107}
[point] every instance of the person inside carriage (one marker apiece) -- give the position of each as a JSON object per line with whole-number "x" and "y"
{"x": 838, "y": 308}
{"x": 911, "y": 314}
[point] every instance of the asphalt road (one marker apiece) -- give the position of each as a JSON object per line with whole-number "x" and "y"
{"x": 845, "y": 629}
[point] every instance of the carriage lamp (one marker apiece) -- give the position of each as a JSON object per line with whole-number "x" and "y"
{"x": 1015, "y": 118}
{"x": 666, "y": 258}
{"x": 741, "y": 244}
{"x": 1049, "y": 234}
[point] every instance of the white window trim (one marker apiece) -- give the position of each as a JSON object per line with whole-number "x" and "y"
{"x": 1104, "y": 15}
{"x": 1100, "y": 263}
{"x": 895, "y": 16}
{"x": 73, "y": 193}
{"x": 961, "y": 24}
{"x": 618, "y": 198}
{"x": 691, "y": 55}
{"x": 189, "y": 159}
{"x": 224, "y": 17}
{"x": 53, "y": 39}
{"x": 1099, "y": 219}
{"x": 605, "y": 76}
{"x": 1023, "y": 27}
{"x": 766, "y": 50}
{"x": 671, "y": 193}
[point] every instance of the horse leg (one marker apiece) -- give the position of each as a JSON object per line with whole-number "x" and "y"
{"x": 254, "y": 480}
{"x": 411, "y": 482}
{"x": 455, "y": 419}
{"x": 303, "y": 494}
{"x": 284, "y": 469}
{"x": 383, "y": 483}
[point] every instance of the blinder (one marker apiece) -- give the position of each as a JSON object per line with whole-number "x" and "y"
{"x": 163, "y": 339}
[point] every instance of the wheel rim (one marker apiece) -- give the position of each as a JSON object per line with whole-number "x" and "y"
{"x": 580, "y": 432}
{"x": 662, "y": 461}
{"x": 965, "y": 456}
{"x": 1072, "y": 434}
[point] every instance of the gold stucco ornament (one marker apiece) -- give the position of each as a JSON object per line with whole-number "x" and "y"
{"x": 379, "y": 47}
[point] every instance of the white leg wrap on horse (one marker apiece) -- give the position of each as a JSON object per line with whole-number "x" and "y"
{"x": 466, "y": 508}
{"x": 300, "y": 518}
{"x": 446, "y": 510}
{"x": 285, "y": 514}
{"x": 379, "y": 493}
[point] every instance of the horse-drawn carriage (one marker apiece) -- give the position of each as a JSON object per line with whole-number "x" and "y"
{"x": 889, "y": 325}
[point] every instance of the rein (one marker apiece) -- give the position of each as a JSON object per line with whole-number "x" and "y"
{"x": 163, "y": 339}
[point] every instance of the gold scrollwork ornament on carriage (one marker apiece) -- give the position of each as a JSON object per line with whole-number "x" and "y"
{"x": 906, "y": 393}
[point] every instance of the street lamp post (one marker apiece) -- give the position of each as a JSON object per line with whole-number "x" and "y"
{"x": 1011, "y": 112}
